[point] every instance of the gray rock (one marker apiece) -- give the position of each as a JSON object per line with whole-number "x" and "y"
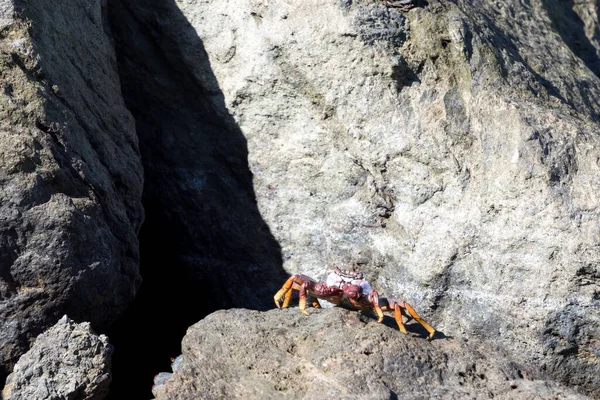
{"x": 6, "y": 13}
{"x": 68, "y": 361}
{"x": 159, "y": 380}
{"x": 70, "y": 174}
{"x": 162, "y": 377}
{"x": 335, "y": 353}
{"x": 451, "y": 152}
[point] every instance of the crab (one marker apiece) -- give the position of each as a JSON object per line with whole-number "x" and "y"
{"x": 347, "y": 289}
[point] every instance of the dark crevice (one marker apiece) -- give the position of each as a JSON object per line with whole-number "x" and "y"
{"x": 403, "y": 75}
{"x": 204, "y": 245}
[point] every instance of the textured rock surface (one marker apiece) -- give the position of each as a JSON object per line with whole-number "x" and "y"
{"x": 452, "y": 152}
{"x": 335, "y": 354}
{"x": 70, "y": 174}
{"x": 68, "y": 361}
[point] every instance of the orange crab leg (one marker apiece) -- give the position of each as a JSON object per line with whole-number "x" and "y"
{"x": 297, "y": 282}
{"x": 315, "y": 302}
{"x": 398, "y": 317}
{"x": 374, "y": 299}
{"x": 288, "y": 297}
{"x": 286, "y": 288}
{"x": 416, "y": 316}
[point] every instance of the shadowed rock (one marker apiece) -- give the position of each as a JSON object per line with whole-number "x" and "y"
{"x": 204, "y": 242}
{"x": 70, "y": 174}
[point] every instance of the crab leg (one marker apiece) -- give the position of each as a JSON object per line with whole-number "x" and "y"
{"x": 303, "y": 299}
{"x": 374, "y": 299}
{"x": 315, "y": 302}
{"x": 404, "y": 309}
{"x": 416, "y": 316}
{"x": 398, "y": 317}
{"x": 288, "y": 297}
{"x": 285, "y": 289}
{"x": 398, "y": 312}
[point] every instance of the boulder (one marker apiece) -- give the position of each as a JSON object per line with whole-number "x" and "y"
{"x": 68, "y": 361}
{"x": 340, "y": 354}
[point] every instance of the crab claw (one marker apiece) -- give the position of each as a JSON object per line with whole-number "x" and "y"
{"x": 278, "y": 296}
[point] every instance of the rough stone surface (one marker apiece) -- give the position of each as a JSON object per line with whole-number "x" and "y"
{"x": 68, "y": 361}
{"x": 337, "y": 354}
{"x": 451, "y": 152}
{"x": 70, "y": 174}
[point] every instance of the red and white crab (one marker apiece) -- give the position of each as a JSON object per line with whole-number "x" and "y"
{"x": 347, "y": 289}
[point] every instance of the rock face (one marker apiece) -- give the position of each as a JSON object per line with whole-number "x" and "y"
{"x": 198, "y": 188}
{"x": 68, "y": 361}
{"x": 70, "y": 174}
{"x": 204, "y": 243}
{"x": 451, "y": 152}
{"x": 335, "y": 353}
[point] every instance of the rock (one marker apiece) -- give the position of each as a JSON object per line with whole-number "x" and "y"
{"x": 70, "y": 173}
{"x": 176, "y": 362}
{"x": 163, "y": 377}
{"x": 6, "y": 13}
{"x": 159, "y": 380}
{"x": 450, "y": 152}
{"x": 68, "y": 361}
{"x": 335, "y": 353}
{"x": 203, "y": 218}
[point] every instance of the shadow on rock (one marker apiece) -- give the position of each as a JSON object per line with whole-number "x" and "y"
{"x": 71, "y": 189}
{"x": 572, "y": 30}
{"x": 204, "y": 245}
{"x": 413, "y": 327}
